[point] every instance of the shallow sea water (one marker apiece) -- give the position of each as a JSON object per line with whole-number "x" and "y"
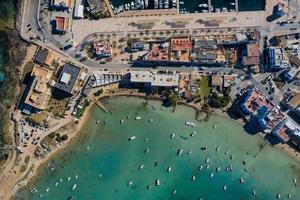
{"x": 105, "y": 161}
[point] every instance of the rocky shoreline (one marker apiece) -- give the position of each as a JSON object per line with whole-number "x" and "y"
{"x": 14, "y": 52}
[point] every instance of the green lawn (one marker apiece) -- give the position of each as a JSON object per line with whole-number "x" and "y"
{"x": 203, "y": 89}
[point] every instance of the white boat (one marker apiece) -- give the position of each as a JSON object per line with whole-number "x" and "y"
{"x": 211, "y": 175}
{"x": 204, "y": 5}
{"x": 278, "y": 196}
{"x": 189, "y": 151}
{"x": 169, "y": 169}
{"x": 130, "y": 183}
{"x": 200, "y": 167}
{"x": 76, "y": 176}
{"x": 179, "y": 152}
{"x": 146, "y": 3}
{"x": 218, "y": 148}
{"x": 253, "y": 192}
{"x": 88, "y": 148}
{"x": 289, "y": 196}
{"x": 155, "y": 4}
{"x": 215, "y": 126}
{"x": 224, "y": 187}
{"x": 174, "y": 3}
{"x": 172, "y": 135}
{"x": 207, "y": 160}
{"x": 193, "y": 178}
{"x": 218, "y": 169}
{"x": 121, "y": 121}
{"x": 98, "y": 122}
{"x": 47, "y": 190}
{"x": 174, "y": 192}
{"x": 69, "y": 178}
{"x": 100, "y": 176}
{"x": 60, "y": 180}
{"x": 207, "y": 166}
{"x": 217, "y": 10}
{"x": 138, "y": 118}
{"x": 74, "y": 187}
{"x": 132, "y": 138}
{"x": 147, "y": 150}
{"x": 56, "y": 184}
{"x": 232, "y": 4}
{"x": 141, "y": 166}
{"x": 151, "y": 120}
{"x": 192, "y": 124}
{"x": 241, "y": 180}
{"x": 157, "y": 182}
{"x": 226, "y": 152}
{"x": 295, "y": 181}
{"x": 193, "y": 134}
{"x": 181, "y": 2}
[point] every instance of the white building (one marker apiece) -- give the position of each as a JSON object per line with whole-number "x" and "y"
{"x": 78, "y": 11}
{"x": 153, "y": 79}
{"x": 277, "y": 59}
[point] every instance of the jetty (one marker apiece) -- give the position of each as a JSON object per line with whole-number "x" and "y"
{"x": 209, "y": 6}
{"x": 100, "y": 105}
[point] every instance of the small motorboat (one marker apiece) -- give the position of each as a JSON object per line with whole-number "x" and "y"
{"x": 224, "y": 187}
{"x": 130, "y": 183}
{"x": 157, "y": 182}
{"x": 138, "y": 118}
{"x": 193, "y": 178}
{"x": 179, "y": 152}
{"x": 207, "y": 160}
{"x": 141, "y": 167}
{"x": 172, "y": 135}
{"x": 211, "y": 175}
{"x": 169, "y": 169}
{"x": 131, "y": 138}
{"x": 74, "y": 187}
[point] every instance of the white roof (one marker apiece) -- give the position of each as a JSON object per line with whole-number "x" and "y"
{"x": 168, "y": 80}
{"x": 291, "y": 125}
{"x": 65, "y": 78}
{"x": 78, "y": 11}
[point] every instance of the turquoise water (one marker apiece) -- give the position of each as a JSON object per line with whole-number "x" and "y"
{"x": 105, "y": 150}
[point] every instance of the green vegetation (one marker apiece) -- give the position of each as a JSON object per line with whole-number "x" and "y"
{"x": 7, "y": 13}
{"x": 81, "y": 110}
{"x": 279, "y": 82}
{"x": 203, "y": 89}
{"x": 58, "y": 107}
{"x": 173, "y": 98}
{"x": 98, "y": 93}
{"x": 58, "y": 137}
{"x": 220, "y": 101}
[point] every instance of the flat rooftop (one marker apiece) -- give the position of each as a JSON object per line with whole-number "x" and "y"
{"x": 165, "y": 80}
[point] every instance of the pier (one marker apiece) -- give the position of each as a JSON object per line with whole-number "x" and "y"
{"x": 209, "y": 6}
{"x": 237, "y": 6}
{"x": 100, "y": 105}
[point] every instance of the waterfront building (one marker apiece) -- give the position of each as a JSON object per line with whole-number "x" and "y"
{"x": 61, "y": 4}
{"x": 159, "y": 52}
{"x": 217, "y": 83}
{"x": 47, "y": 58}
{"x": 102, "y": 49}
{"x": 154, "y": 79}
{"x": 277, "y": 59}
{"x": 251, "y": 55}
{"x": 287, "y": 130}
{"x": 40, "y": 90}
{"x": 61, "y": 24}
{"x": 41, "y": 56}
{"x": 70, "y": 79}
{"x": 78, "y": 11}
{"x": 95, "y": 6}
{"x": 255, "y": 106}
{"x": 287, "y": 39}
{"x": 180, "y": 49}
